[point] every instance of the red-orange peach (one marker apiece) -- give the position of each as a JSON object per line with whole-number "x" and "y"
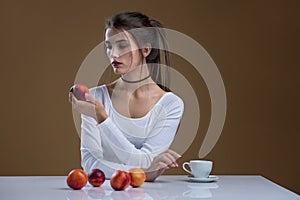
{"x": 96, "y": 177}
{"x": 79, "y": 91}
{"x": 120, "y": 180}
{"x": 77, "y": 179}
{"x": 138, "y": 177}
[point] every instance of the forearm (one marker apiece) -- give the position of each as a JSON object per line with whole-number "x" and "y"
{"x": 90, "y": 162}
{"x": 124, "y": 150}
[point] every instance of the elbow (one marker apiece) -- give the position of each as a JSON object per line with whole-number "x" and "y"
{"x": 87, "y": 161}
{"x": 85, "y": 166}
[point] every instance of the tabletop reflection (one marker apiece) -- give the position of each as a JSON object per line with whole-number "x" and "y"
{"x": 96, "y": 193}
{"x": 200, "y": 190}
{"x": 181, "y": 189}
{"x": 76, "y": 195}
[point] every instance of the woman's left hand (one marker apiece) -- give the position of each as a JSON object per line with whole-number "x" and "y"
{"x": 160, "y": 163}
{"x": 91, "y": 107}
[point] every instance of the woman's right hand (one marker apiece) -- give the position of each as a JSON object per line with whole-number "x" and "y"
{"x": 91, "y": 107}
{"x": 160, "y": 163}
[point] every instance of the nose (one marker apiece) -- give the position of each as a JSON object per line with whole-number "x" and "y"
{"x": 114, "y": 53}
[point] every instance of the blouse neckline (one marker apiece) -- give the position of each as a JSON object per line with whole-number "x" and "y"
{"x": 138, "y": 118}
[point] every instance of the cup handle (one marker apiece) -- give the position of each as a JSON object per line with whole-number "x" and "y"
{"x": 183, "y": 166}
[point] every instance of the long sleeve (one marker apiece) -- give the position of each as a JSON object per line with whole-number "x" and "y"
{"x": 92, "y": 151}
{"x": 161, "y": 132}
{"x": 108, "y": 147}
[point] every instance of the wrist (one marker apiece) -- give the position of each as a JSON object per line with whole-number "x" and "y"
{"x": 101, "y": 117}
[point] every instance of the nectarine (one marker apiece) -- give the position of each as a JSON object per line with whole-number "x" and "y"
{"x": 79, "y": 91}
{"x": 120, "y": 180}
{"x": 96, "y": 177}
{"x": 77, "y": 179}
{"x": 138, "y": 177}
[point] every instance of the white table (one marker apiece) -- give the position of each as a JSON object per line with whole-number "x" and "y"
{"x": 165, "y": 187}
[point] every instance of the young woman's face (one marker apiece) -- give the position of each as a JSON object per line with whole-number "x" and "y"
{"x": 122, "y": 51}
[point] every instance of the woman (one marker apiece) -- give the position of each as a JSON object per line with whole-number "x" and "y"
{"x": 132, "y": 121}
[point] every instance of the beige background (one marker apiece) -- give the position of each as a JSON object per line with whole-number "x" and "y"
{"x": 255, "y": 44}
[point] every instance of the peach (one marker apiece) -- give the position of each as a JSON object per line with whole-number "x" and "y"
{"x": 138, "y": 177}
{"x": 96, "y": 177}
{"x": 77, "y": 179}
{"x": 120, "y": 180}
{"x": 79, "y": 91}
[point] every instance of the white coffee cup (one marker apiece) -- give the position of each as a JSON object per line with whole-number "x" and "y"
{"x": 199, "y": 168}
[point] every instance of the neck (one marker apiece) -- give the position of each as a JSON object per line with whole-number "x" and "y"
{"x": 136, "y": 76}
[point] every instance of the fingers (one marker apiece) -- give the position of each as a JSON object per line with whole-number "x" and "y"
{"x": 161, "y": 166}
{"x": 90, "y": 98}
{"x": 70, "y": 97}
{"x": 90, "y": 107}
{"x": 74, "y": 100}
{"x": 173, "y": 153}
{"x": 172, "y": 156}
{"x": 75, "y": 103}
{"x": 163, "y": 161}
{"x": 168, "y": 158}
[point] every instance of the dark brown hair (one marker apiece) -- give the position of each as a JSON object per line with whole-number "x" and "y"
{"x": 145, "y": 30}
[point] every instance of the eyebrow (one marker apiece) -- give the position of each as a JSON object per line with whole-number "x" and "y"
{"x": 118, "y": 41}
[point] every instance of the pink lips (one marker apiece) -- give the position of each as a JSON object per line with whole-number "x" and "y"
{"x": 116, "y": 63}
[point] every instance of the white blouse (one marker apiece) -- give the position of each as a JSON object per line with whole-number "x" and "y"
{"x": 122, "y": 143}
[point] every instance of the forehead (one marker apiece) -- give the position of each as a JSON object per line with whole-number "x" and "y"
{"x": 113, "y": 35}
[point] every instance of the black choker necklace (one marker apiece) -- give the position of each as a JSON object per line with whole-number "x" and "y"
{"x": 137, "y": 81}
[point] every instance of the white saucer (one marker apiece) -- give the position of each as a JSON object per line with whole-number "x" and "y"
{"x": 208, "y": 179}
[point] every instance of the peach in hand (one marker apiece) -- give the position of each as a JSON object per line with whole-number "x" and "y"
{"x": 79, "y": 91}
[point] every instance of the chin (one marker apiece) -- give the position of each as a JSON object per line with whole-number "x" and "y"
{"x": 118, "y": 71}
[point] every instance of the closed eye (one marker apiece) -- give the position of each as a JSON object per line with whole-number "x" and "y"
{"x": 123, "y": 46}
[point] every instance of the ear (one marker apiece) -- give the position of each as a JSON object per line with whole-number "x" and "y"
{"x": 147, "y": 49}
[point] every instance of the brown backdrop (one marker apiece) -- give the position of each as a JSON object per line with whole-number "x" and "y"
{"x": 255, "y": 44}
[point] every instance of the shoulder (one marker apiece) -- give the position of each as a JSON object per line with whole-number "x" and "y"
{"x": 171, "y": 101}
{"x": 171, "y": 98}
